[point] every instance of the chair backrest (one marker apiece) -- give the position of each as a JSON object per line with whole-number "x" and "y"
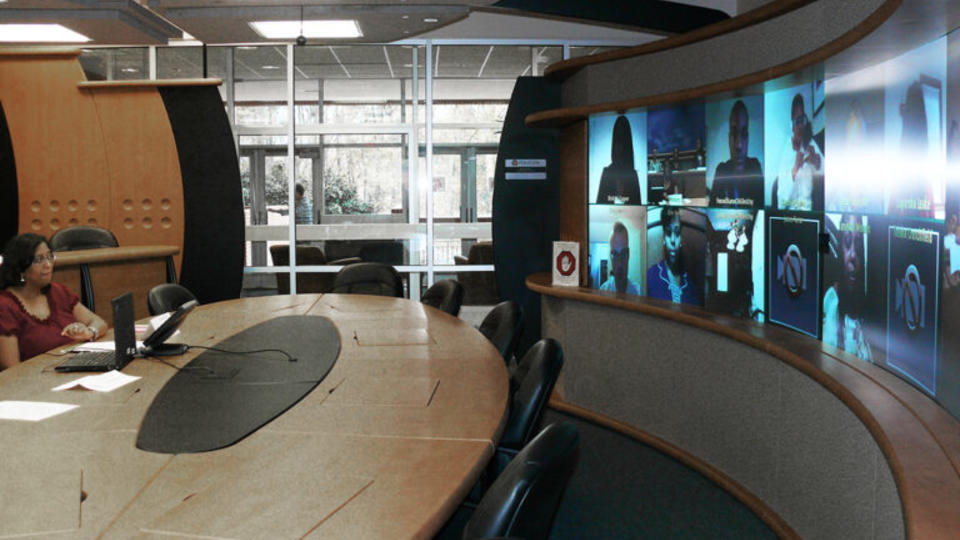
{"x": 541, "y": 365}
{"x": 386, "y": 252}
{"x": 307, "y": 282}
{"x": 502, "y": 326}
{"x": 82, "y": 237}
{"x": 523, "y": 501}
{"x": 445, "y": 295}
{"x": 480, "y": 288}
{"x": 369, "y": 278}
{"x": 167, "y": 297}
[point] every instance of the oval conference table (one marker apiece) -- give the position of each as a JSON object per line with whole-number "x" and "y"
{"x": 385, "y": 446}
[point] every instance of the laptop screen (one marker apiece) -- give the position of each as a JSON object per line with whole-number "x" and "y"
{"x": 124, "y": 333}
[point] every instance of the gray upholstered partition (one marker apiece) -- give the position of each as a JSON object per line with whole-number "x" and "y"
{"x": 770, "y": 427}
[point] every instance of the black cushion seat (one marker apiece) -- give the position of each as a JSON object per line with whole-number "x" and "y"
{"x": 523, "y": 501}
{"x": 82, "y": 237}
{"x": 502, "y": 326}
{"x": 167, "y": 297}
{"x": 540, "y": 368}
{"x": 445, "y": 295}
{"x": 369, "y": 278}
{"x": 307, "y": 282}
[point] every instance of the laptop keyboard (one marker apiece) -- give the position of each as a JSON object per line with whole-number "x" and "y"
{"x": 86, "y": 359}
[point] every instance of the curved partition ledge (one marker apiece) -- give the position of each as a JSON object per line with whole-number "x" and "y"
{"x": 562, "y": 70}
{"x": 726, "y": 62}
{"x": 837, "y": 447}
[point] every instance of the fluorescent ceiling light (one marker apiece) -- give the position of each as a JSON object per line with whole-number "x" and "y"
{"x": 40, "y": 33}
{"x": 309, "y": 29}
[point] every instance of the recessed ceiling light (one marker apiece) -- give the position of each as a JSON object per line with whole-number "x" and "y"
{"x": 308, "y": 29}
{"x": 246, "y": 48}
{"x": 270, "y": 67}
{"x": 40, "y": 33}
{"x": 430, "y": 19}
{"x": 405, "y": 17}
{"x": 129, "y": 70}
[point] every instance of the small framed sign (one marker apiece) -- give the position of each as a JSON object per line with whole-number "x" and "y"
{"x": 566, "y": 264}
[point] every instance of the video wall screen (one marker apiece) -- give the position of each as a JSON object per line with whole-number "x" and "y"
{"x": 618, "y": 174}
{"x": 617, "y": 245}
{"x": 676, "y": 246}
{"x": 829, "y": 207}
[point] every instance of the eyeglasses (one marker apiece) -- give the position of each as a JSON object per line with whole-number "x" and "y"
{"x": 40, "y": 259}
{"x": 621, "y": 254}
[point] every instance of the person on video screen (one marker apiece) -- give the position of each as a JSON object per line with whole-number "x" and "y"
{"x": 844, "y": 301}
{"x": 739, "y": 180}
{"x": 619, "y": 183}
{"x": 801, "y": 165}
{"x": 620, "y": 263}
{"x": 912, "y": 195}
{"x": 668, "y": 280}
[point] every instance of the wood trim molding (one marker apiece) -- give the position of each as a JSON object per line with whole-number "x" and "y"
{"x": 123, "y": 253}
{"x": 756, "y": 505}
{"x": 147, "y": 83}
{"x": 564, "y": 69}
{"x": 38, "y": 52}
{"x": 562, "y": 117}
{"x": 916, "y": 436}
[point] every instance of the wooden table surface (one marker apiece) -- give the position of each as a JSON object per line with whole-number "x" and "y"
{"x": 384, "y": 447}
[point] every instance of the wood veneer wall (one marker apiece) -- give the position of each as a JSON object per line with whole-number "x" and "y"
{"x": 146, "y": 195}
{"x": 58, "y": 146}
{"x": 129, "y": 156}
{"x": 573, "y": 193}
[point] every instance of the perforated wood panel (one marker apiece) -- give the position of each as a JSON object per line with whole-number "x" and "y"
{"x": 56, "y": 139}
{"x": 146, "y": 194}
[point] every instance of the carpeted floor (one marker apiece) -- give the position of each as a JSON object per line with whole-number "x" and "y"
{"x": 624, "y": 489}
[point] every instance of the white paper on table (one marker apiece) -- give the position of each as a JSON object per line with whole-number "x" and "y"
{"x": 105, "y": 382}
{"x": 32, "y": 411}
{"x": 99, "y": 346}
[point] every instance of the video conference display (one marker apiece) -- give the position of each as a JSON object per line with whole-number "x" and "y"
{"x": 829, "y": 207}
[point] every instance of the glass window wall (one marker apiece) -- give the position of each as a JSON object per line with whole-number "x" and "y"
{"x": 394, "y": 151}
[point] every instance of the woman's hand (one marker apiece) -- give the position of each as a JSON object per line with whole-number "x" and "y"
{"x": 78, "y": 331}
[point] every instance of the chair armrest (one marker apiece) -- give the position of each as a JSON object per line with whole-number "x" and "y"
{"x": 459, "y": 259}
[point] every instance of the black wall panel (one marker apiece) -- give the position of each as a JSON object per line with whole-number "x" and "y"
{"x": 9, "y": 193}
{"x": 212, "y": 264}
{"x": 525, "y": 212}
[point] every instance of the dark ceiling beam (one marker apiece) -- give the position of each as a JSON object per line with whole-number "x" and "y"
{"x": 660, "y": 16}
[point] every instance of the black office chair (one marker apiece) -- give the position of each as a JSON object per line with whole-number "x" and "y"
{"x": 502, "y": 326}
{"x": 368, "y": 278}
{"x": 82, "y": 237}
{"x": 540, "y": 367}
{"x": 446, "y": 295}
{"x": 523, "y": 501}
{"x": 167, "y": 297}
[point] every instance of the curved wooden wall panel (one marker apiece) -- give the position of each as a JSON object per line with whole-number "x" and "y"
{"x": 59, "y": 149}
{"x": 146, "y": 189}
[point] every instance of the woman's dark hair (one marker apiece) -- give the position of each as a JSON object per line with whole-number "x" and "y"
{"x": 18, "y": 256}
{"x": 621, "y": 149}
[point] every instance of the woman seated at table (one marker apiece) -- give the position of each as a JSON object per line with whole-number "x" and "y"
{"x": 36, "y": 314}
